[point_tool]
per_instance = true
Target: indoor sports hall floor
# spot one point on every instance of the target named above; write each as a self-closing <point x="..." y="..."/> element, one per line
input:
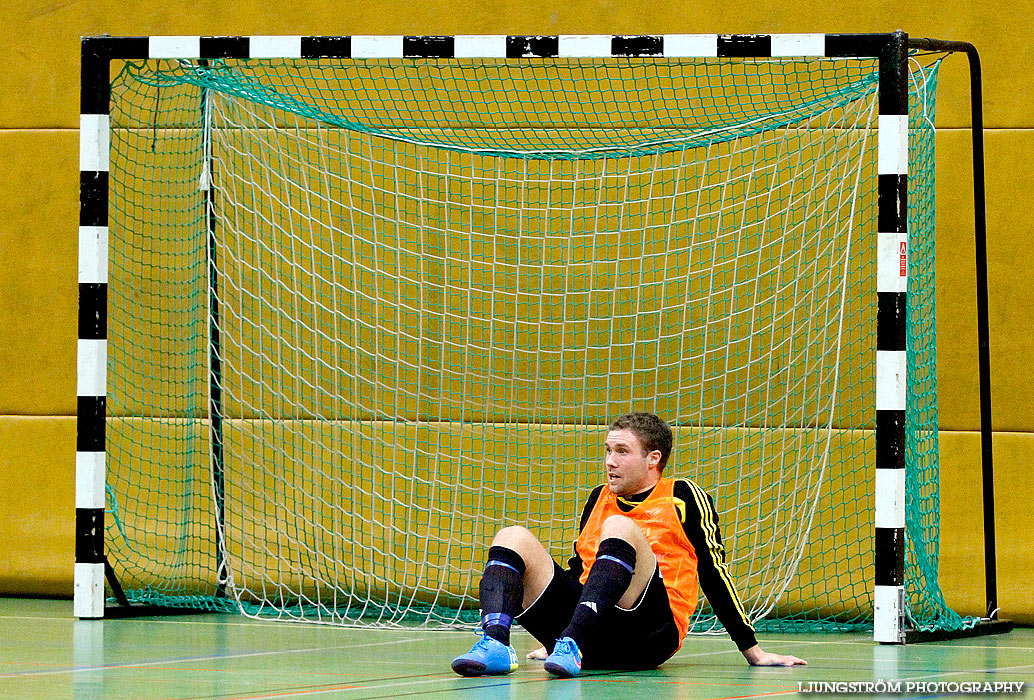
<point x="45" y="653"/>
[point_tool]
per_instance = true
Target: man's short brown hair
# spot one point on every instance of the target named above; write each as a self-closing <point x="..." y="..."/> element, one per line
<point x="653" y="432"/>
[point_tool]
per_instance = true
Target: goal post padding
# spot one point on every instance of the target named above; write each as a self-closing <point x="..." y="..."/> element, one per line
<point x="438" y="280"/>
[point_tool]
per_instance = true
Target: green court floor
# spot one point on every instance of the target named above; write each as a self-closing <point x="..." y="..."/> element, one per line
<point x="46" y="653"/>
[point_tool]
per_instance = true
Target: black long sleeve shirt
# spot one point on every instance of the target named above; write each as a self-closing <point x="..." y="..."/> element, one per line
<point x="700" y="521"/>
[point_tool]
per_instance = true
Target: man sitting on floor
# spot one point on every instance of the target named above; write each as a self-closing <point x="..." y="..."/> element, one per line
<point x="626" y="599"/>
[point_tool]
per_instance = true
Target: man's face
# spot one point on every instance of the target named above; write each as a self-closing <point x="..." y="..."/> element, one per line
<point x="629" y="470"/>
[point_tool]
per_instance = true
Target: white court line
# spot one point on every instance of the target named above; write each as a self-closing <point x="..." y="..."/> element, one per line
<point x="495" y="682"/>
<point x="190" y="659"/>
<point x="391" y="684"/>
<point x="698" y="654"/>
<point x="867" y="641"/>
<point x="253" y="622"/>
<point x="995" y="669"/>
<point x="956" y="673"/>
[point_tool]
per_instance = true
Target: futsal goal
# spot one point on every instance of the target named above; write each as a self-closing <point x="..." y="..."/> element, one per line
<point x="348" y="305"/>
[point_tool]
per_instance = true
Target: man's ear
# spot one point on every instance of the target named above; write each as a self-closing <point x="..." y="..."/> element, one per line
<point x="654" y="458"/>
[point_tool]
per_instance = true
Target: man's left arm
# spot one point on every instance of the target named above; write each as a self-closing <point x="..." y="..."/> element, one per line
<point x="701" y="525"/>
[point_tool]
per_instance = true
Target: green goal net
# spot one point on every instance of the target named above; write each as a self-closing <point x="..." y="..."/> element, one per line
<point x="364" y="313"/>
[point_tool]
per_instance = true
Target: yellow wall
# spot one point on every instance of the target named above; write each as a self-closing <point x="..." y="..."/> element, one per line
<point x="38" y="210"/>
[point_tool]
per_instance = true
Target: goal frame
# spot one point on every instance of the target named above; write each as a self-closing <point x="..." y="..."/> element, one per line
<point x="889" y="393"/>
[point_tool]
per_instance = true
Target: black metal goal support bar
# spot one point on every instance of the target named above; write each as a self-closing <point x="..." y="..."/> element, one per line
<point x="990" y="624"/>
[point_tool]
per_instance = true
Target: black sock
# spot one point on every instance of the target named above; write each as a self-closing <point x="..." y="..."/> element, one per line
<point x="608" y="580"/>
<point x="502" y="592"/>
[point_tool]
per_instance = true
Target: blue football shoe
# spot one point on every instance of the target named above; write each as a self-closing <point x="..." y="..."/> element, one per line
<point x="489" y="657"/>
<point x="566" y="659"/>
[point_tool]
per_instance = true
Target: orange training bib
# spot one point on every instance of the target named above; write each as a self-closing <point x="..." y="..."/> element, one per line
<point x="659" y="520"/>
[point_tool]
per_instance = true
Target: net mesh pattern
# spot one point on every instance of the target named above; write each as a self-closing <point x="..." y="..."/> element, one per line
<point x="417" y="292"/>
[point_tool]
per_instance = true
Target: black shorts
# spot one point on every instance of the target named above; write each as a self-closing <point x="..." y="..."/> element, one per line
<point x="642" y="637"/>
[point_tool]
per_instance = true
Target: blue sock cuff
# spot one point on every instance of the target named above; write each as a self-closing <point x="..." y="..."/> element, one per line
<point x="496" y="562"/>
<point x="616" y="549"/>
<point x="631" y="569"/>
<point x="504" y="556"/>
<point x="501" y="619"/>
